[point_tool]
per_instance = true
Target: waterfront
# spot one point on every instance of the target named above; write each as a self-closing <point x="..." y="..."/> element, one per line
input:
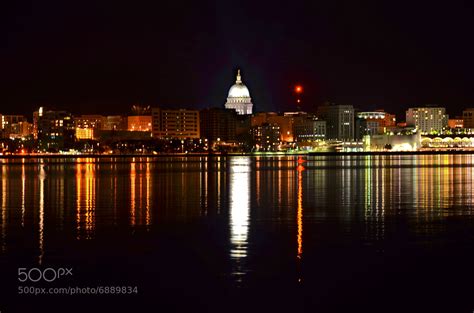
<point x="330" y="233"/>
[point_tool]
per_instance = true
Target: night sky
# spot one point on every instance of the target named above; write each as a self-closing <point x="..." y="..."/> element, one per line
<point x="102" y="57"/>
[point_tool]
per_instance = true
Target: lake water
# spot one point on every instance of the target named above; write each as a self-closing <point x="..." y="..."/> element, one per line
<point x="283" y="233"/>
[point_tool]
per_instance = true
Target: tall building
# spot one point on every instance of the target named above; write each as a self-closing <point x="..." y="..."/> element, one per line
<point x="427" y="119"/>
<point x="218" y="124"/>
<point x="468" y="117"/>
<point x="239" y="97"/>
<point x="175" y="124"/>
<point x="339" y="121"/>
<point x="55" y="129"/>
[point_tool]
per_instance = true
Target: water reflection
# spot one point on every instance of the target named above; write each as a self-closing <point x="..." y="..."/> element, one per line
<point x="86" y="199"/>
<point x="42" y="177"/>
<point x="299" y="238"/>
<point x="299" y="217"/>
<point x="362" y="198"/>
<point x="133" y="191"/>
<point x="23" y="191"/>
<point x="4" y="208"/>
<point x="239" y="201"/>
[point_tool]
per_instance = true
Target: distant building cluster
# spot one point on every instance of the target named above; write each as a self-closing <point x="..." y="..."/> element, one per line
<point x="235" y="127"/>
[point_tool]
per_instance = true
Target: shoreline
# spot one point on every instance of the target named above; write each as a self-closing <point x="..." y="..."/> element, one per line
<point x="262" y="154"/>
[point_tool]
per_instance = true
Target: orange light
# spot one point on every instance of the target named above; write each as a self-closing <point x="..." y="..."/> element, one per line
<point x="298" y="89"/>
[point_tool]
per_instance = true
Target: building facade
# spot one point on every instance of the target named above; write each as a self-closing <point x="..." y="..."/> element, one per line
<point x="55" y="130"/>
<point x="139" y="123"/>
<point x="217" y="124"/>
<point x="374" y="123"/>
<point x="457" y="122"/>
<point x="175" y="124"/>
<point x="115" y="122"/>
<point x="266" y="137"/>
<point x="428" y="119"/>
<point x="339" y="121"/>
<point x="468" y="118"/>
<point x="14" y="126"/>
<point x="309" y="129"/>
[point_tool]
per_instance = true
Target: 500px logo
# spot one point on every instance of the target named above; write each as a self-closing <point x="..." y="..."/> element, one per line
<point x="49" y="274"/>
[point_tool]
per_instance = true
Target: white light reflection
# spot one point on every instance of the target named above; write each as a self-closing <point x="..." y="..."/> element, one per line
<point x="42" y="177"/>
<point x="239" y="211"/>
<point x="23" y="189"/>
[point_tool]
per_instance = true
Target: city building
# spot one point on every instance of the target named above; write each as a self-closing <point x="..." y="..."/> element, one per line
<point x="175" y="124"/>
<point x="339" y="121"/>
<point x="457" y="122"/>
<point x="115" y="122"/>
<point x="217" y="124"/>
<point x="55" y="129"/>
<point x="85" y="133"/>
<point x="427" y="119"/>
<point x="96" y="122"/>
<point x="468" y="117"/>
<point x="285" y="121"/>
<point x="139" y="123"/>
<point x="266" y="137"/>
<point x="14" y="126"/>
<point x="373" y="123"/>
<point x="401" y="142"/>
<point x="309" y="128"/>
<point x="87" y="126"/>
<point x="239" y="97"/>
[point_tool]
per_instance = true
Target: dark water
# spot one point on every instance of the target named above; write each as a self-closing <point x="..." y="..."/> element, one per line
<point x="281" y="234"/>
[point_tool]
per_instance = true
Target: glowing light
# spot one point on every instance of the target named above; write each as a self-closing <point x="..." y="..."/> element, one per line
<point x="86" y="197"/>
<point x="84" y="133"/>
<point x="4" y="208"/>
<point x="239" y="212"/>
<point x="299" y="214"/>
<point x="23" y="190"/>
<point x="42" y="176"/>
<point x="133" y="199"/>
<point x="298" y="89"/>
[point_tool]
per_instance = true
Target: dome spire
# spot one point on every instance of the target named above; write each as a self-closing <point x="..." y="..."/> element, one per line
<point x="239" y="79"/>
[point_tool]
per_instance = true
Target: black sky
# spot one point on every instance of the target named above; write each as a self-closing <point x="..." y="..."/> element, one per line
<point x="102" y="57"/>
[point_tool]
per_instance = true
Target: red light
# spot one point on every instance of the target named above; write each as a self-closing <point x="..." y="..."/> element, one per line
<point x="298" y="89"/>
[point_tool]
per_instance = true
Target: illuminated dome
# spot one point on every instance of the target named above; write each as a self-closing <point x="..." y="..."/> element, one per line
<point x="239" y="97"/>
<point x="238" y="90"/>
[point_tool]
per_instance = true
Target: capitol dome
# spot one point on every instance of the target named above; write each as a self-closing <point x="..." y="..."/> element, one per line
<point x="238" y="90"/>
<point x="239" y="97"/>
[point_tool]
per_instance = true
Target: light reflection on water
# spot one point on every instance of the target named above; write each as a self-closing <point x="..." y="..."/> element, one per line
<point x="239" y="202"/>
<point x="363" y="194"/>
<point x="4" y="208"/>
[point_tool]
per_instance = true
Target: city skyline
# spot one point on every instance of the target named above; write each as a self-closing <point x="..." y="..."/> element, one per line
<point x="400" y="113"/>
<point x="370" y="56"/>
